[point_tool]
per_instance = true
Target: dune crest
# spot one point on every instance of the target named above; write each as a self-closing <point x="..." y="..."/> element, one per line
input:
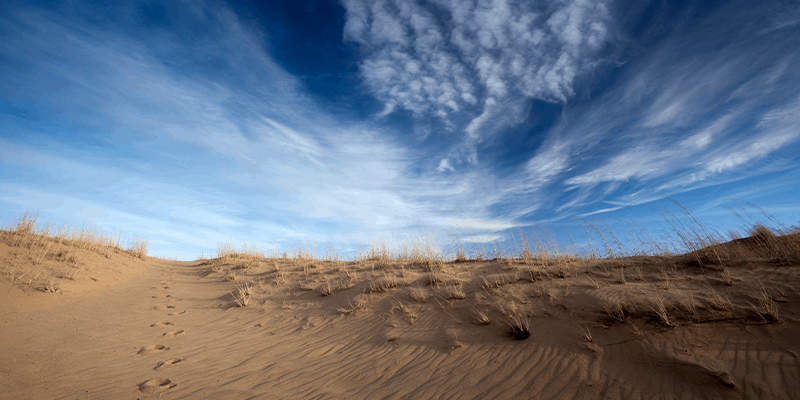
<point x="718" y="322"/>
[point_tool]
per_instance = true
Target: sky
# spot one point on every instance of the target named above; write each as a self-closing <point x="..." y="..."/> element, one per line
<point x="194" y="123"/>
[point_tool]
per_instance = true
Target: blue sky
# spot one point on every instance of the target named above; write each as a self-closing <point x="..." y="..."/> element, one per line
<point x="196" y="123"/>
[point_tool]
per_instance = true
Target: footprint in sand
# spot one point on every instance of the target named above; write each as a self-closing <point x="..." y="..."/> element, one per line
<point x="167" y="364"/>
<point x="152" y="349"/>
<point x="161" y="324"/>
<point x="174" y="333"/>
<point x="156" y="386"/>
<point x="159" y="308"/>
<point x="161" y="296"/>
<point x="176" y="313"/>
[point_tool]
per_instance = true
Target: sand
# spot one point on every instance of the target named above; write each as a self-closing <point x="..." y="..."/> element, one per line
<point x="126" y="328"/>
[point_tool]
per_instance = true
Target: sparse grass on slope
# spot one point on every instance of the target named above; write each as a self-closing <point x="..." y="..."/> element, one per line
<point x="693" y="276"/>
<point x="47" y="256"/>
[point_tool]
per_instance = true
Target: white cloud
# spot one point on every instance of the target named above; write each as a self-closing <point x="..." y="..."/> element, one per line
<point x="605" y="210"/>
<point x="657" y="157"/>
<point x="479" y="224"/>
<point x="388" y="108"/>
<point x="443" y="57"/>
<point x="444" y="165"/>
<point x="757" y="148"/>
<point x="546" y="165"/>
<point x="702" y="139"/>
<point x="779" y="127"/>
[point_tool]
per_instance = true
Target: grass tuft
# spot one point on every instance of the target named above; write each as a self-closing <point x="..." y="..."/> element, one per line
<point x="325" y="289"/>
<point x="614" y="310"/>
<point x="52" y="286"/>
<point x="765" y="307"/>
<point x="661" y="312"/>
<point x="479" y="316"/>
<point x="242" y="294"/>
<point x="519" y="327"/>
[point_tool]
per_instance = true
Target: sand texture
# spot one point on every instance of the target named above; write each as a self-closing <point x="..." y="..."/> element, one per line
<point x="242" y="327"/>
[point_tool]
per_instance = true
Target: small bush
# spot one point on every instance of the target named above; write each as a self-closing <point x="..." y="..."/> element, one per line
<point x="52" y="286"/>
<point x="242" y="294"/>
<point x="519" y="327"/>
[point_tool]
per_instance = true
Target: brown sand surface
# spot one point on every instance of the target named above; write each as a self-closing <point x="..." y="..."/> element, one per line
<point x="168" y="329"/>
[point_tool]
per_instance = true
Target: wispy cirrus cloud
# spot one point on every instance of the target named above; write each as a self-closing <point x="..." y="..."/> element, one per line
<point x="240" y="150"/>
<point x="468" y="62"/>
<point x="682" y="117"/>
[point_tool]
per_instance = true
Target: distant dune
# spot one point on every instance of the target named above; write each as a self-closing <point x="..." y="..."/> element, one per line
<point x="85" y="317"/>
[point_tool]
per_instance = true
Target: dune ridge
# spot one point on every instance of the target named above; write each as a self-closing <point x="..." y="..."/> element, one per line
<point x="719" y="321"/>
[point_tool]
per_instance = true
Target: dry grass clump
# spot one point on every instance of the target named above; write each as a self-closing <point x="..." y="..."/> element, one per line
<point x="360" y="302"/>
<point x="587" y="334"/>
<point x="242" y="294"/>
<point x="454" y="292"/>
<point x="138" y="247"/>
<point x="765" y="307"/>
<point x="348" y="281"/>
<point x="435" y="278"/>
<point x="409" y="312"/>
<point x="248" y="264"/>
<point x="70" y="274"/>
<point x="479" y="316"/>
<point x="664" y="277"/>
<point x="614" y="309"/>
<point x="52" y="286"/>
<point x="325" y="289"/>
<point x="621" y="276"/>
<point x="418" y="294"/>
<point x="216" y="266"/>
<point x="689" y="305"/>
<point x="442" y="278"/>
<point x="517" y="319"/>
<point x="565" y="271"/>
<point x="231" y="276"/>
<point x="637" y="333"/>
<point x="382" y="284"/>
<point x="719" y="303"/>
<point x="66" y="256"/>
<point x="498" y="280"/>
<point x="519" y="326"/>
<point x="537" y="274"/>
<point x="660" y="310"/>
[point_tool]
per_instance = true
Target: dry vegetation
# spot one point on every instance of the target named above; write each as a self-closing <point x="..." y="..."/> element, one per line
<point x="48" y="257"/>
<point x="694" y="276"/>
<point x="697" y="277"/>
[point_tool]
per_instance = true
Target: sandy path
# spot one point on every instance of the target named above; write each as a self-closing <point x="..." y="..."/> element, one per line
<point x="86" y="347"/>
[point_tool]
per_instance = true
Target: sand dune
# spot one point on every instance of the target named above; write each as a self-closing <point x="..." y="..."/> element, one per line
<point x="635" y="327"/>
